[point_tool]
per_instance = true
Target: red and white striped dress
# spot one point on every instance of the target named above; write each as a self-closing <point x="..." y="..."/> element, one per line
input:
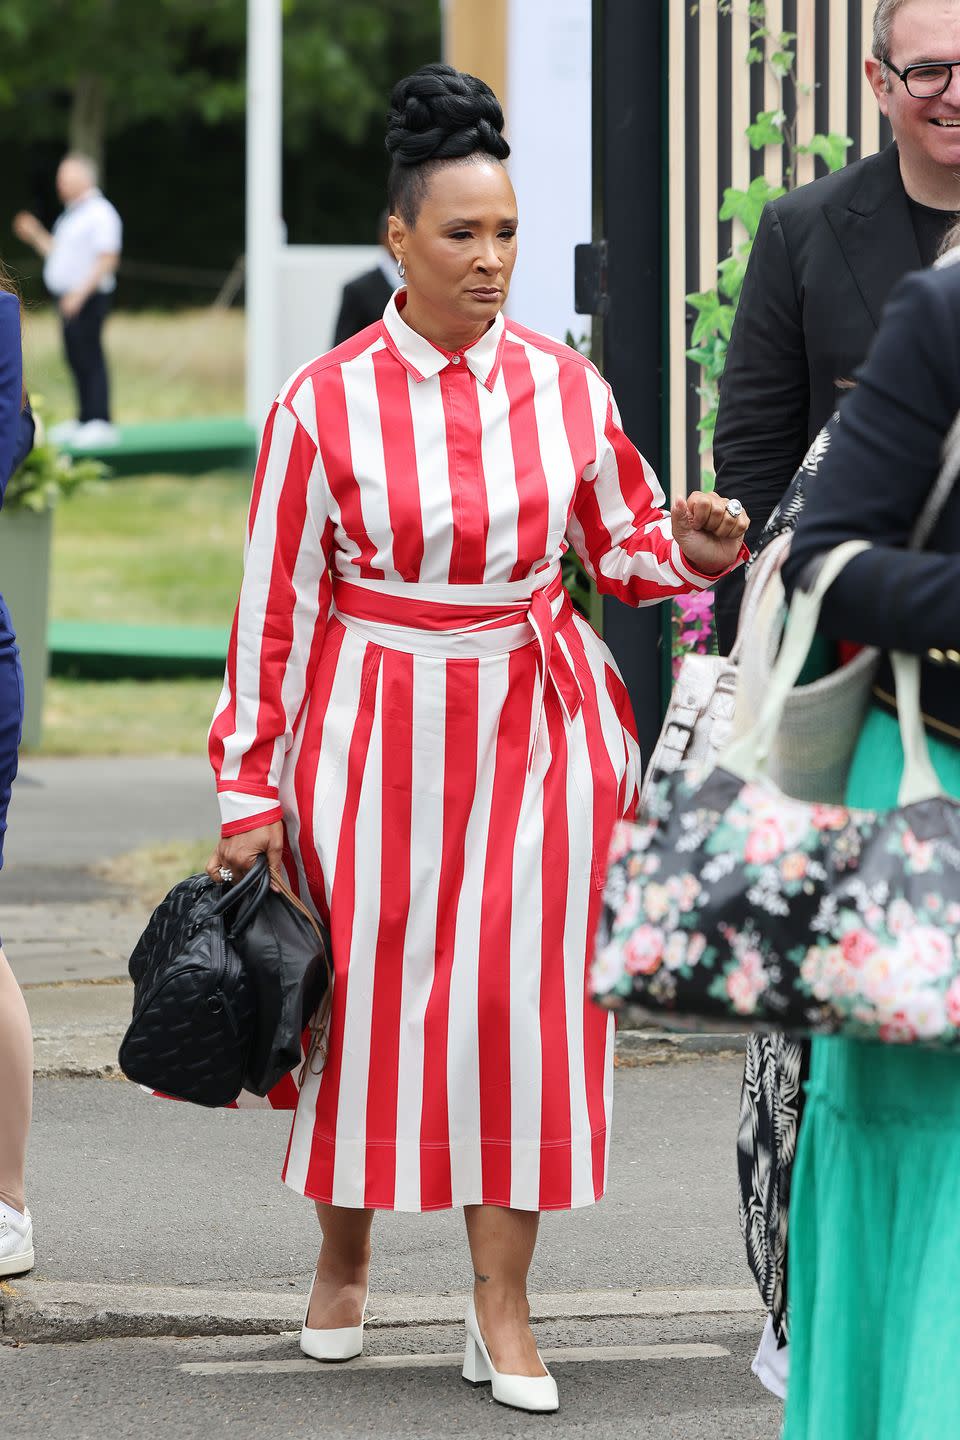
<point x="449" y="746"/>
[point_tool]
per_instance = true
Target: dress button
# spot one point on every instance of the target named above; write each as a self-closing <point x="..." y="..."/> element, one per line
<point x="455" y="359"/>
<point x="953" y="657"/>
<point x="937" y="656"/>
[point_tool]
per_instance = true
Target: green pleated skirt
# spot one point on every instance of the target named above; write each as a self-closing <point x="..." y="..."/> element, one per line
<point x="874" y="1262"/>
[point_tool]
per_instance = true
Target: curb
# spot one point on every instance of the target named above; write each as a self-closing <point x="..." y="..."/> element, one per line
<point x="33" y="1311"/>
<point x="655" y="1047"/>
<point x="84" y="1056"/>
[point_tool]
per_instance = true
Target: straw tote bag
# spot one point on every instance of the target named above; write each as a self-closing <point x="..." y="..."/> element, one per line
<point x="738" y="904"/>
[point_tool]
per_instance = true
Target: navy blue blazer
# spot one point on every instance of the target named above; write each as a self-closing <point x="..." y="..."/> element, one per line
<point x="872" y="483"/>
<point x="11" y="388"/>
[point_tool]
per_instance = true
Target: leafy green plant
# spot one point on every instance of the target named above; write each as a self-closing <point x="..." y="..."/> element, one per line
<point x="48" y="475"/>
<point x="716" y="307"/>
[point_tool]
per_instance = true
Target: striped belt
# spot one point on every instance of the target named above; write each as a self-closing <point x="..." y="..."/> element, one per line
<point x="468" y="622"/>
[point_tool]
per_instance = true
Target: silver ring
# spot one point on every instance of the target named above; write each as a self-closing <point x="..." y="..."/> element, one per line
<point x="734" y="508"/>
<point x="225" y="875"/>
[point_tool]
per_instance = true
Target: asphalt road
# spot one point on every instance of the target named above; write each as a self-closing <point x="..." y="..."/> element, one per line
<point x="140" y="1390"/>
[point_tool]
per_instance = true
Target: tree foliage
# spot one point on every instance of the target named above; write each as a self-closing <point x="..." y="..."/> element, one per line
<point x="156" y="88"/>
<point x="83" y="70"/>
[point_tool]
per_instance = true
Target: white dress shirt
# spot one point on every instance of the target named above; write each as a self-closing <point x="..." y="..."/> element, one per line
<point x="88" y="228"/>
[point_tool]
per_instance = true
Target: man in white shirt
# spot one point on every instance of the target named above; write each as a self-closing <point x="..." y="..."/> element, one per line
<point x="81" y="255"/>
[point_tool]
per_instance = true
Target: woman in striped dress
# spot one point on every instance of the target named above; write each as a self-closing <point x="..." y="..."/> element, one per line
<point x="419" y="728"/>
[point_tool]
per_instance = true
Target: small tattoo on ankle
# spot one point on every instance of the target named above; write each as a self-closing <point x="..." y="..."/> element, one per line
<point x="481" y="1278"/>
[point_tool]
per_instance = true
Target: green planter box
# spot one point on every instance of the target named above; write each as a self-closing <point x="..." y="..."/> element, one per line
<point x="25" y="539"/>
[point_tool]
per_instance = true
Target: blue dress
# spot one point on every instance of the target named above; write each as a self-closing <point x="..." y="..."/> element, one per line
<point x="16" y="436"/>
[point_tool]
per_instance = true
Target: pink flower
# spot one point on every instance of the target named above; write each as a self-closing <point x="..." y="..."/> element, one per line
<point x="926" y="1013"/>
<point x="897" y="1030"/>
<point x="930" y="952"/>
<point x="764" y="843"/>
<point x="857" y="947"/>
<point x="742" y="991"/>
<point x="882" y="980"/>
<point x="828" y="817"/>
<point x="695" y="948"/>
<point x="697" y="606"/>
<point x="643" y="952"/>
<point x="900" y="917"/>
<point x="751" y="963"/>
<point x="952" y="998"/>
<point x="794" y="865"/>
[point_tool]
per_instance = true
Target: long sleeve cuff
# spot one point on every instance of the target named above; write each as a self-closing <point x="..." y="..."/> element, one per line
<point x="242" y="810"/>
<point x="697" y="577"/>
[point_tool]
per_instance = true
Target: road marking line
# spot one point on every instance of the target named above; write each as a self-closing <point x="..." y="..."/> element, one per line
<point x="576" y="1355"/>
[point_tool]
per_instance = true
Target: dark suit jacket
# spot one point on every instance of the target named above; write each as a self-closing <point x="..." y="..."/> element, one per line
<point x="363" y="301"/>
<point x="825" y="258"/>
<point x="873" y="481"/>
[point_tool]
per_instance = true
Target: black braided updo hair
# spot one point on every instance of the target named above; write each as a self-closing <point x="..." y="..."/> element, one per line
<point x="438" y="115"/>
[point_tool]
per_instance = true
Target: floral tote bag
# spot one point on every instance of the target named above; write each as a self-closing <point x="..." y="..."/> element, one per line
<point x="732" y="903"/>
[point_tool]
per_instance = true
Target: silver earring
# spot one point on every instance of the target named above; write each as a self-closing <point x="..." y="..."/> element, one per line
<point x="401" y="269"/>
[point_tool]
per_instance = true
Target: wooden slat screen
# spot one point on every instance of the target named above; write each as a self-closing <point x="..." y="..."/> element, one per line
<point x="713" y="96"/>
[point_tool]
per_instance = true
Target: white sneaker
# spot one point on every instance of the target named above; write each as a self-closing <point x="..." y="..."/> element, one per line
<point x="64" y="432"/>
<point x="94" y="435"/>
<point x="16" y="1241"/>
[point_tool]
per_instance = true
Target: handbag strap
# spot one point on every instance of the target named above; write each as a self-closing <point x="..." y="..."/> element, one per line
<point x="919" y="780"/>
<point x="282" y="888"/>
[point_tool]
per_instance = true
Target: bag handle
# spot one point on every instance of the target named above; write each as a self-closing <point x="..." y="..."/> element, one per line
<point x="282" y="888"/>
<point x="748" y="755"/>
<point x="244" y="896"/>
<point x="919" y="780"/>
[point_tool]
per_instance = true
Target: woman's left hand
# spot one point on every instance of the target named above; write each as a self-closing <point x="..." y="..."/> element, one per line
<point x="708" y="535"/>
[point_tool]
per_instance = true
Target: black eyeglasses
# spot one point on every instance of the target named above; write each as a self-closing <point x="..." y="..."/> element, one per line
<point x="924" y="81"/>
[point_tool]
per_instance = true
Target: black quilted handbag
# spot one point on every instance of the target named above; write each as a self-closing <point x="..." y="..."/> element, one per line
<point x="226" y="979"/>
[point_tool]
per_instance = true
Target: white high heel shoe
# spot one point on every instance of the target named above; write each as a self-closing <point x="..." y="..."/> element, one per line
<point x="522" y="1392"/>
<point x="343" y="1344"/>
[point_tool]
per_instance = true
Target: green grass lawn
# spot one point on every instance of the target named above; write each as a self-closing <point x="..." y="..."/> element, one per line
<point x="151" y="550"/>
<point x="162" y="366"/>
<point x="127" y="717"/>
<point x="156" y="550"/>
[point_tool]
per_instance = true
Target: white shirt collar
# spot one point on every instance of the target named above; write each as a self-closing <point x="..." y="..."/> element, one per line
<point x="423" y="360"/>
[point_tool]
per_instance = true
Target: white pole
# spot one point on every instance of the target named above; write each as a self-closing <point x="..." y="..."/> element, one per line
<point x="263" y="201"/>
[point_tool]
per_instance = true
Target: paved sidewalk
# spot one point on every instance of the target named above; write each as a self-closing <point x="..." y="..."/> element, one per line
<point x="66" y="816"/>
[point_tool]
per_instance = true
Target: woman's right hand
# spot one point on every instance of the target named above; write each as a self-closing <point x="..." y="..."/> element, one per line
<point x="238" y="852"/>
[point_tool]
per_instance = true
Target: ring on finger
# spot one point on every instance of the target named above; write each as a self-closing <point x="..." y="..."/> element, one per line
<point x="734" y="509"/>
<point x="226" y="875"/>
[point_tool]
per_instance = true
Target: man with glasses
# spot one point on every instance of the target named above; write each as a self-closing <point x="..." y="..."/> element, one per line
<point x="826" y="257"/>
